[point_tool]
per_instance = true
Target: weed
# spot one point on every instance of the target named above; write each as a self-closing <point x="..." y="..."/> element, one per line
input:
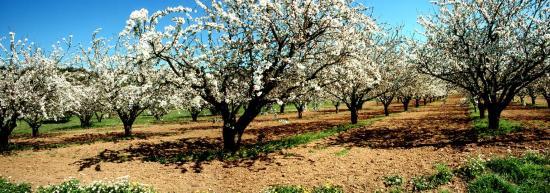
<point x="285" y="189"/>
<point x="342" y="152"/>
<point x="8" y="187"/>
<point x="491" y="183"/>
<point x="394" y="180"/>
<point x="327" y="188"/>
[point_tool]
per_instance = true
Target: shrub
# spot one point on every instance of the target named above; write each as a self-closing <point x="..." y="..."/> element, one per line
<point x="7" y="187"/>
<point x="491" y="183"/>
<point x="394" y="180"/>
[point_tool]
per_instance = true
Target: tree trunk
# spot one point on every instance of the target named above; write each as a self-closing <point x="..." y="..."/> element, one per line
<point x="406" y="104"/>
<point x="481" y="108"/>
<point x="282" y="108"/>
<point x="386" y="110"/>
<point x="85" y="121"/>
<point x="35" y="125"/>
<point x="195" y="116"/>
<point x="99" y="116"/>
<point x="354" y="115"/>
<point x="230" y="138"/>
<point x="494" y="116"/>
<point x="127" y="129"/>
<point x="337" y="107"/>
<point x="360" y="106"/>
<point x="425" y="101"/>
<point x="300" y="108"/>
<point x="417" y="102"/>
<point x="4" y="141"/>
<point x="522" y="100"/>
<point x="547" y="102"/>
<point x="533" y="100"/>
<point x="34" y="131"/>
<point x="157" y="117"/>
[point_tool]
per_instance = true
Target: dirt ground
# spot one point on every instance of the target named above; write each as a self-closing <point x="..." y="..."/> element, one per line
<point x="407" y="143"/>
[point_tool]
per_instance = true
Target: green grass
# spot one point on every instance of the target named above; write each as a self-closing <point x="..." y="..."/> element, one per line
<point x="342" y="152"/>
<point x="8" y="187"/>
<point x="113" y="121"/>
<point x="442" y="176"/>
<point x="530" y="173"/>
<point x="144" y="119"/>
<point x="481" y="126"/>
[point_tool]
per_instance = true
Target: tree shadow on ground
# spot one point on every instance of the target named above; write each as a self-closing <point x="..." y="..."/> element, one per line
<point x="436" y="129"/>
<point x="191" y="153"/>
<point x="88" y="138"/>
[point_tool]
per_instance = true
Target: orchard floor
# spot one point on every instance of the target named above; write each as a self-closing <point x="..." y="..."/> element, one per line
<point x="405" y="143"/>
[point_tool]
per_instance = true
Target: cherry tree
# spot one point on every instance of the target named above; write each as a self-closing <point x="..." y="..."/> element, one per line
<point x="253" y="53"/>
<point x="130" y="78"/>
<point x="27" y="88"/>
<point x="491" y="48"/>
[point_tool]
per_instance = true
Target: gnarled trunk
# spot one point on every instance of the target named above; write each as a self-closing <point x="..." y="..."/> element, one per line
<point x="85" y="120"/>
<point x="127" y="129"/>
<point x="533" y="100"/>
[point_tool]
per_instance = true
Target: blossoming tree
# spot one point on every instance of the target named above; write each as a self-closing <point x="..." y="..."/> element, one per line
<point x="252" y="53"/>
<point x="30" y="84"/>
<point x="492" y="48"/>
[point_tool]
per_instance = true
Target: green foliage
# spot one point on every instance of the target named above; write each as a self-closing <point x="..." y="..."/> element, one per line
<point x="491" y="183"/>
<point x="473" y="168"/>
<point x="394" y="180"/>
<point x="74" y="186"/>
<point x="342" y="152"/>
<point x="444" y="191"/>
<point x="529" y="173"/>
<point x="327" y="188"/>
<point x="285" y="189"/>
<point x="7" y="187"/>
<point x="443" y="176"/>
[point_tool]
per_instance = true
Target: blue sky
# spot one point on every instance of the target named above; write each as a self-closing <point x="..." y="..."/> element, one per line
<point x="47" y="21"/>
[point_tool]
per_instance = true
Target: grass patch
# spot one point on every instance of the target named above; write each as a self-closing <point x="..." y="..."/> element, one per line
<point x="342" y="152"/>
<point x="481" y="126"/>
<point x="530" y="173"/>
<point x="442" y="176"/>
<point x="8" y="187"/>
